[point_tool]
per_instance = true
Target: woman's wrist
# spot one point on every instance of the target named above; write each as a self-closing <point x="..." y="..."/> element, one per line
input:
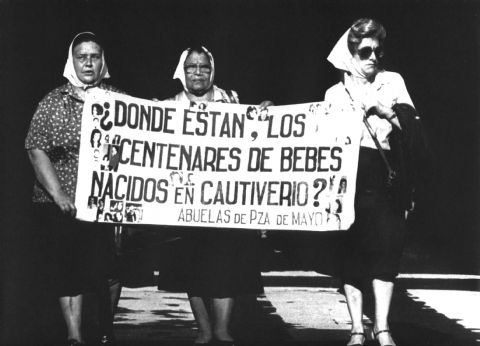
<point x="392" y="116"/>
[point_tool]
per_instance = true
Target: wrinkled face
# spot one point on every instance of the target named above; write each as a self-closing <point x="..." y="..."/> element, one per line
<point x="87" y="62"/>
<point x="367" y="56"/>
<point x="197" y="73"/>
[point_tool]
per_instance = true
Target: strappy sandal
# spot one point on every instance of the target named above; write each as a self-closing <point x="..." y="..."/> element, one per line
<point x="375" y="335"/>
<point x="357" y="333"/>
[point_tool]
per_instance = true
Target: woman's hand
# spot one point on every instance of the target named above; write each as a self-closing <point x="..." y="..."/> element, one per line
<point x="46" y="175"/>
<point x="379" y="109"/>
<point x="65" y="203"/>
<point x="383" y="112"/>
<point x="266" y="103"/>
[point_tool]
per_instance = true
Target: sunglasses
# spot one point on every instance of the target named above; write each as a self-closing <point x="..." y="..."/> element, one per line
<point x="365" y="52"/>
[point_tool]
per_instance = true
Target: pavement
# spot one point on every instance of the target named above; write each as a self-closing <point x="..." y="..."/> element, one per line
<point x="307" y="308"/>
<point x="302" y="304"/>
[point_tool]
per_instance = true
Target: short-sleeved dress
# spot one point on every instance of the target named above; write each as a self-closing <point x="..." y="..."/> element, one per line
<point x="77" y="253"/>
<point x="374" y="244"/>
<point x="220" y="263"/>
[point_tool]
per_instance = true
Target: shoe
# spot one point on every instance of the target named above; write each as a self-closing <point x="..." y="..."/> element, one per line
<point x="107" y="340"/>
<point x="75" y="342"/>
<point x="357" y="333"/>
<point x="375" y="335"/>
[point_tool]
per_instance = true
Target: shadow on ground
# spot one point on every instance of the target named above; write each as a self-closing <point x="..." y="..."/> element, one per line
<point x="255" y="321"/>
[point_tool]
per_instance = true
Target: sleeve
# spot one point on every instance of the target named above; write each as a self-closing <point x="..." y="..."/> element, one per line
<point x="401" y="90"/>
<point x="229" y="96"/>
<point x="235" y="96"/>
<point x="39" y="133"/>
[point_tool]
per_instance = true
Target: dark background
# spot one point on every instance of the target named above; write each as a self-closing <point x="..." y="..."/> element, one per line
<point x="264" y="50"/>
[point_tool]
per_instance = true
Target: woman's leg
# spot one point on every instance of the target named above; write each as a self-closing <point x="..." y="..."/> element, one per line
<point x="200" y="312"/>
<point x="222" y="312"/>
<point x="105" y="309"/>
<point x="355" y="308"/>
<point x="72" y="314"/>
<point x="382" y="291"/>
<point x="115" y="292"/>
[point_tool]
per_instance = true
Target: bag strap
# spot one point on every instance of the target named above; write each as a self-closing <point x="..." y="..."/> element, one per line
<point x="391" y="173"/>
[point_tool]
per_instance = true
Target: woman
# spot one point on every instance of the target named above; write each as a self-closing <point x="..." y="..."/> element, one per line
<point x="375" y="241"/>
<point x="223" y="263"/>
<point x="52" y="143"/>
<point x="95" y="138"/>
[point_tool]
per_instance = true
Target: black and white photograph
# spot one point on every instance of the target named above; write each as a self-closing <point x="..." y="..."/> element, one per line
<point x="240" y="172"/>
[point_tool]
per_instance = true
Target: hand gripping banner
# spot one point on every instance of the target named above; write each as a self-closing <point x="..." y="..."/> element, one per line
<point x="217" y="165"/>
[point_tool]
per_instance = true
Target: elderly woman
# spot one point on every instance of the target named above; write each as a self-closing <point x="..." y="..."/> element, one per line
<point x="375" y="241"/>
<point x="52" y="143"/>
<point x="224" y="264"/>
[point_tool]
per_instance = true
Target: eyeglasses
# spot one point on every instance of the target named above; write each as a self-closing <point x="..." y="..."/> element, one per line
<point x="192" y="68"/>
<point x="365" y="52"/>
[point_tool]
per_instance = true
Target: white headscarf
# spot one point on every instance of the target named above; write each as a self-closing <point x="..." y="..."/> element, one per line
<point x="180" y="71"/>
<point x="69" y="70"/>
<point x="342" y="59"/>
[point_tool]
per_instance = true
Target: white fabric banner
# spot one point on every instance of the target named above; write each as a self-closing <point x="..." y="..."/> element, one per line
<point x="217" y="165"/>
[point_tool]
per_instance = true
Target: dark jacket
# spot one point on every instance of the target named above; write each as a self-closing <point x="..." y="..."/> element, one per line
<point x="412" y="157"/>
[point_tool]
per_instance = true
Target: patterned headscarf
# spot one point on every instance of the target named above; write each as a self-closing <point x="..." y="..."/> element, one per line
<point x="180" y="71"/>
<point x="69" y="70"/>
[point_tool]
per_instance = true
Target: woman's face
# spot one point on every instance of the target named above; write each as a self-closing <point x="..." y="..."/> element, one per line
<point x="87" y="62"/>
<point x="197" y="73"/>
<point x="367" y="55"/>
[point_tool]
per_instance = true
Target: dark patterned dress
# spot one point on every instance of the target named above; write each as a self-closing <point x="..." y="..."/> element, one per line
<point x="72" y="248"/>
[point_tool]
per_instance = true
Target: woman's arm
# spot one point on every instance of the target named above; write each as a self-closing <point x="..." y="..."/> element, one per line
<point x="386" y="113"/>
<point x="46" y="175"/>
<point x="402" y="96"/>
